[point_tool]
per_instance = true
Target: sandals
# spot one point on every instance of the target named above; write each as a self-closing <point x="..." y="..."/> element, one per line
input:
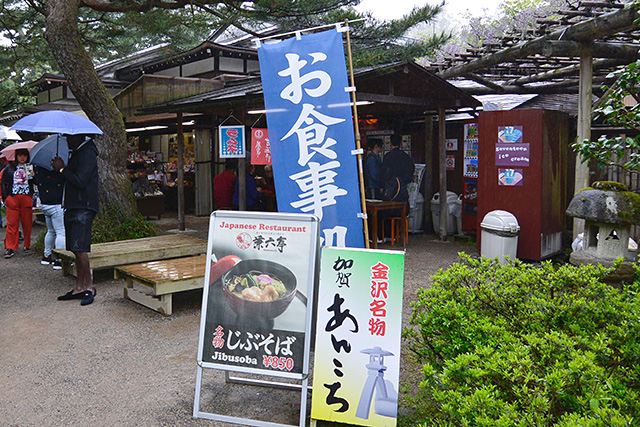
<point x="86" y="297"/>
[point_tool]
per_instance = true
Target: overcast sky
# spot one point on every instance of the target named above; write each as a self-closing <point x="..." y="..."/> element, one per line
<point x="393" y="9"/>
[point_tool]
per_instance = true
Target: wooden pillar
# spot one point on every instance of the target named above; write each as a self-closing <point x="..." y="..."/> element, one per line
<point x="180" y="145"/>
<point x="203" y="184"/>
<point x="428" y="173"/>
<point x="442" y="163"/>
<point x="585" y="99"/>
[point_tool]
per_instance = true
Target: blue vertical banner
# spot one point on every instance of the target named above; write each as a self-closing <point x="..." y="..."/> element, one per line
<point x="304" y="80"/>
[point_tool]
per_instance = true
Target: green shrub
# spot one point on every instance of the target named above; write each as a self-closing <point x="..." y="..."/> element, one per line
<point x="520" y="345"/>
<point x="38" y="246"/>
<point x="111" y="225"/>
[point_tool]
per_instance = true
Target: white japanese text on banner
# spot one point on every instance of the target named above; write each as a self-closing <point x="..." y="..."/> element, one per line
<point x="311" y="133"/>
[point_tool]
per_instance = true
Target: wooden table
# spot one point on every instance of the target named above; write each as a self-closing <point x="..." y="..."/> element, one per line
<point x="112" y="254"/>
<point x="374" y="207"/>
<point x="162" y="279"/>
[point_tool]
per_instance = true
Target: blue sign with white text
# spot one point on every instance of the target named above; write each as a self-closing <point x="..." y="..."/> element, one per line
<point x="232" y="141"/>
<point x="311" y="133"/>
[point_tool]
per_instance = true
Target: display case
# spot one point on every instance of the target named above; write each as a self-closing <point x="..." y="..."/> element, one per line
<point x="147" y="175"/>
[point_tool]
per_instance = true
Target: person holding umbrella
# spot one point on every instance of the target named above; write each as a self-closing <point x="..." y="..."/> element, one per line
<point x="17" y="194"/>
<point x="80" y="200"/>
<point x="81" y="203"/>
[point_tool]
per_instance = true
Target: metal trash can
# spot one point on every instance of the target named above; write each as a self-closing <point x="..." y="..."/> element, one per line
<point x="435" y="212"/>
<point x="499" y="236"/>
<point x="416" y="215"/>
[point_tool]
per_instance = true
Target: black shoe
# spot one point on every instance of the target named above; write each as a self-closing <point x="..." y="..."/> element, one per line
<point x="20" y="238"/>
<point x="57" y="264"/>
<point x="9" y="253"/>
<point x="28" y="250"/>
<point x="71" y="296"/>
<point x="46" y="260"/>
<point x="88" y="297"/>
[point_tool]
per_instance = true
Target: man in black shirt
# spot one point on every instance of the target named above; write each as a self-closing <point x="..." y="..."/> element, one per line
<point x="81" y="203"/>
<point x="399" y="164"/>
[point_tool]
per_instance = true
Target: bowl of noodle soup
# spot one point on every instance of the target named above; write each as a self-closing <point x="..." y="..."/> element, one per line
<point x="258" y="287"/>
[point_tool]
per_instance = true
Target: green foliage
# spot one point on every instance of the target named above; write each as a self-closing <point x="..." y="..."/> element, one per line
<point x="114" y="34"/>
<point x="520" y="345"/>
<point x="374" y="41"/>
<point x="615" y="110"/>
<point x="38" y="246"/>
<point x="111" y="225"/>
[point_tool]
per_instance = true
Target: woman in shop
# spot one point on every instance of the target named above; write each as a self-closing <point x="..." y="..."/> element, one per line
<point x="17" y="193"/>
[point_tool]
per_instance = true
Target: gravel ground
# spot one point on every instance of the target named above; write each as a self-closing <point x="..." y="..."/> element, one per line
<point x="116" y="363"/>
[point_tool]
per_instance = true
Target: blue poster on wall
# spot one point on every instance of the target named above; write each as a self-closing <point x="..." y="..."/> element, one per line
<point x="311" y="133"/>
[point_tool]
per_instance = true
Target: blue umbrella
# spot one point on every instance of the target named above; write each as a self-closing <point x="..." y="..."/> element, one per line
<point x="56" y="121"/>
<point x="49" y="148"/>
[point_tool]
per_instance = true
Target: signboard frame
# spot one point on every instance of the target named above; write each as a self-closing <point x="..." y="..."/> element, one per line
<point x="363" y="288"/>
<point x="224" y="138"/>
<point x="305" y="282"/>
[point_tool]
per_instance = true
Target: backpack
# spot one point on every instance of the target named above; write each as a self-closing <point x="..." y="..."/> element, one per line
<point x="394" y="191"/>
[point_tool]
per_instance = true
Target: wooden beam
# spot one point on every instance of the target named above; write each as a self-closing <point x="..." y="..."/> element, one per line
<point x="599" y="49"/>
<point x="391" y="99"/>
<point x="603" y="26"/>
<point x="606" y="4"/>
<point x="567" y="86"/>
<point x="483" y="81"/>
<point x="564" y="71"/>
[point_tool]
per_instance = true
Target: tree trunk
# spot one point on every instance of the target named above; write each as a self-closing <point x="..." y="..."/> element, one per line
<point x="65" y="43"/>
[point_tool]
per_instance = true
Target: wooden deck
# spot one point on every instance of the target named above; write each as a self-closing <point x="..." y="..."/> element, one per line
<point x="112" y="254"/>
<point x="162" y="279"/>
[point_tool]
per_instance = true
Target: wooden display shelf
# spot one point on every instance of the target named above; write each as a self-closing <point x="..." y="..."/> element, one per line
<point x="151" y="206"/>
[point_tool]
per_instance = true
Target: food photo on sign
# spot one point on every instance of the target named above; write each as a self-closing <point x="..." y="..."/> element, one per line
<point x="258" y="287"/>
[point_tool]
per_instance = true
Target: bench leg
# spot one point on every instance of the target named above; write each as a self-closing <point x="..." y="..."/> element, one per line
<point x="161" y="304"/>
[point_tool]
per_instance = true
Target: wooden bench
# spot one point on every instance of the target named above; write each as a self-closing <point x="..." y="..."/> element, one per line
<point x="162" y="279"/>
<point x="112" y="254"/>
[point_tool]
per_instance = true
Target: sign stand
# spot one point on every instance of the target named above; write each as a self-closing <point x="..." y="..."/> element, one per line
<point x="303" y="387"/>
<point x="263" y="336"/>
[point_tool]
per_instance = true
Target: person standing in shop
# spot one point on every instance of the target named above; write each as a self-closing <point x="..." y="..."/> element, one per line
<point x="224" y="185"/>
<point x="373" y="169"/>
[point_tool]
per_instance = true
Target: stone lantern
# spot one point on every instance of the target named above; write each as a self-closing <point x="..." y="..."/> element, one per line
<point x="609" y="210"/>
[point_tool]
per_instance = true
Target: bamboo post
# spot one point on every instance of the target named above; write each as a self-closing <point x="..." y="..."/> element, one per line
<point x="180" y="146"/>
<point x="363" y="203"/>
